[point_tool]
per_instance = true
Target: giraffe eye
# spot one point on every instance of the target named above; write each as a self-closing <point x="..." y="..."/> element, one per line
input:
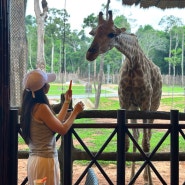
<point x="111" y="35"/>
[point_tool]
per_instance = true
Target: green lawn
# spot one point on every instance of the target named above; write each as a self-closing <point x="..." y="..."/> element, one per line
<point x="94" y="138"/>
<point x="176" y="102"/>
<point x="78" y="89"/>
<point x="175" y="89"/>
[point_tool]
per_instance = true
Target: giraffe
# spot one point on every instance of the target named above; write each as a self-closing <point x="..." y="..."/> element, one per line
<point x="140" y="85"/>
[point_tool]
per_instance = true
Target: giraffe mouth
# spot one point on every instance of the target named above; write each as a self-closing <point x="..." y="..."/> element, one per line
<point x="92" y="54"/>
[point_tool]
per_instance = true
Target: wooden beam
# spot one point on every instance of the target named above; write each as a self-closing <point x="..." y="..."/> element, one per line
<point x="111" y="156"/>
<point x="4" y="93"/>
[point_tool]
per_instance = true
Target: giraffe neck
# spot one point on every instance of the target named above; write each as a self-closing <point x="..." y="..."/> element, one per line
<point x="128" y="45"/>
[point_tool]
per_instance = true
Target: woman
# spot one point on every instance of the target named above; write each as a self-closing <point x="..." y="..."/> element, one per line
<point x="39" y="125"/>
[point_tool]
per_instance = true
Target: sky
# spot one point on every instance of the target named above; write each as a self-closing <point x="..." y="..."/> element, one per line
<point x="80" y="9"/>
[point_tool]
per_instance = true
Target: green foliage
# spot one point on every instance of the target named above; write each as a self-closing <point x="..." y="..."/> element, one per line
<point x="168" y="22"/>
<point x="122" y="22"/>
<point x="151" y="40"/>
<point x="175" y="59"/>
<point x="90" y="21"/>
<point x="31" y="31"/>
<point x="66" y="48"/>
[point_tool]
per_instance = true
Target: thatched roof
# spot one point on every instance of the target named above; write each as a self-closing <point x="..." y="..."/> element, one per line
<point x="163" y="4"/>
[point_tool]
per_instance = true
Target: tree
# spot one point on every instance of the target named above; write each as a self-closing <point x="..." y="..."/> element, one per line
<point x="175" y="59"/>
<point x="168" y="22"/>
<point x="57" y="31"/>
<point x="150" y="39"/>
<point x="90" y="21"/>
<point x="121" y="22"/>
<point x="98" y="92"/>
<point x="40" y="18"/>
<point x="31" y="31"/>
<point x="182" y="61"/>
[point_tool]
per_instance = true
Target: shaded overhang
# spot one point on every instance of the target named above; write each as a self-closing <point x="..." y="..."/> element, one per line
<point x="163" y="4"/>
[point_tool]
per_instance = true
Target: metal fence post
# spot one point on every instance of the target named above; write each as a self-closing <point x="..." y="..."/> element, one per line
<point x="67" y="159"/>
<point x="121" y="156"/>
<point x="174" y="117"/>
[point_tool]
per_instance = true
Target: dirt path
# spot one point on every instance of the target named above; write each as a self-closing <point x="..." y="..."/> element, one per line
<point x="162" y="167"/>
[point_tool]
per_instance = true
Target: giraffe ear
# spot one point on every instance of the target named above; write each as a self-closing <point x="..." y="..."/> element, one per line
<point x="92" y="32"/>
<point x="123" y="29"/>
<point x="119" y="30"/>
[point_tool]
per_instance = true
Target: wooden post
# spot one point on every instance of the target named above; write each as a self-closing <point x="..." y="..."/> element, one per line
<point x="174" y="116"/>
<point x="67" y="159"/>
<point x="121" y="155"/>
<point x="4" y="92"/>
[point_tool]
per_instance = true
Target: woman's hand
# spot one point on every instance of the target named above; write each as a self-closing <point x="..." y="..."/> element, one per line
<point x="79" y="107"/>
<point x="68" y="96"/>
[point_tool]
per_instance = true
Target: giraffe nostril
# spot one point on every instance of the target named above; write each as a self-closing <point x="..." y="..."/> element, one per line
<point x="92" y="50"/>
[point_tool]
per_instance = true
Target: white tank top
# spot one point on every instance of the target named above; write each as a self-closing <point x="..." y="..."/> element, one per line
<point x="43" y="140"/>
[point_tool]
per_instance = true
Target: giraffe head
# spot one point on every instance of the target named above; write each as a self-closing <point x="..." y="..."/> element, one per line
<point x="104" y="36"/>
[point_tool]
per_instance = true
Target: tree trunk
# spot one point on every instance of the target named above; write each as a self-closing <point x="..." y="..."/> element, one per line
<point x="169" y="65"/>
<point x="40" y="17"/>
<point x="30" y="53"/>
<point x="182" y="61"/>
<point x="52" y="55"/>
<point x="95" y="76"/>
<point x="98" y="92"/>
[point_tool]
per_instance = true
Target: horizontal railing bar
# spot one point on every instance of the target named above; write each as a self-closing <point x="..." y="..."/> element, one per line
<point x="114" y="125"/>
<point x="163" y="115"/>
<point x="112" y="156"/>
<point x="95" y="125"/>
<point x="129" y="114"/>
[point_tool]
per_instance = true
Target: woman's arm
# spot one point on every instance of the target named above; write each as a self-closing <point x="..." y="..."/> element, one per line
<point x="45" y="115"/>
